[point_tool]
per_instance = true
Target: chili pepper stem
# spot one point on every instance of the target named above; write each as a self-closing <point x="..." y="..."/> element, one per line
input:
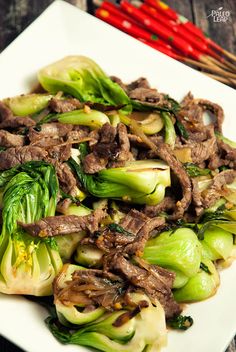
<point x="225" y="66"/>
<point x="221" y="79"/>
<point x="219" y="70"/>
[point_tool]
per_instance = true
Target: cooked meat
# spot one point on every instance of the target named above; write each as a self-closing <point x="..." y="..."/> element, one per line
<point x="227" y="154"/>
<point x="7" y="120"/>
<point x="204" y="200"/>
<point x="167" y="204"/>
<point x="203" y="151"/>
<point x="93" y="288"/>
<point x="65" y="105"/>
<point x="148" y="95"/>
<point x="215" y="109"/>
<point x="137" y="246"/>
<point x="58" y="153"/>
<point x="78" y="133"/>
<point x="155" y="281"/>
<point x="9" y="140"/>
<point x="165" y="153"/>
<point x="124" y="145"/>
<point x="92" y="163"/>
<point x="134" y="221"/>
<point x="19" y="155"/>
<point x="138" y="83"/>
<point x="49" y="134"/>
<point x="217" y="188"/>
<point x="64" y="224"/>
<point x="66" y="179"/>
<point x="110" y="147"/>
<point x="132" y="234"/>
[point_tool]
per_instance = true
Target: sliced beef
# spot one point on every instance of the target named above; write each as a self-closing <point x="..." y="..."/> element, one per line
<point x="155" y="281"/>
<point x="65" y="105"/>
<point x="132" y="234"/>
<point x="138" y="83"/>
<point x="49" y="134"/>
<point x="66" y="179"/>
<point x="64" y="224"/>
<point x="58" y="153"/>
<point x="165" y="153"/>
<point x="92" y="163"/>
<point x="204" y="200"/>
<point x="9" y="140"/>
<point x="203" y="151"/>
<point x="167" y="204"/>
<point x="92" y="287"/>
<point x="19" y="155"/>
<point x="217" y="188"/>
<point x="215" y="109"/>
<point x="7" y="120"/>
<point x="110" y="147"/>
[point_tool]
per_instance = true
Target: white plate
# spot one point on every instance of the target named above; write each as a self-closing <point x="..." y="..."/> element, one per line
<point x="62" y="30"/>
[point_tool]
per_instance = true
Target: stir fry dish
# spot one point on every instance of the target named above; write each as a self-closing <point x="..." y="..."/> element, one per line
<point x="117" y="202"/>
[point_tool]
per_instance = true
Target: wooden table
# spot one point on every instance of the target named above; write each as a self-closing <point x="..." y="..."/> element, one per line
<point x="16" y="15"/>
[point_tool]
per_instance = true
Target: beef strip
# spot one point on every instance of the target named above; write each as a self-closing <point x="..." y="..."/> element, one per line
<point x="94" y="288"/>
<point x="217" y="188"/>
<point x="65" y="105"/>
<point x="228" y="154"/>
<point x="7" y="120"/>
<point x="50" y="134"/>
<point x="58" y="153"/>
<point x="215" y="109"/>
<point x="64" y="224"/>
<point x="167" y="204"/>
<point x="149" y="95"/>
<point x="19" y="155"/>
<point x="137" y="228"/>
<point x="132" y="223"/>
<point x="9" y="140"/>
<point x="163" y="151"/>
<point x="110" y="147"/>
<point x="155" y="281"/>
<point x="67" y="180"/>
<point x="204" y="200"/>
<point x="203" y="151"/>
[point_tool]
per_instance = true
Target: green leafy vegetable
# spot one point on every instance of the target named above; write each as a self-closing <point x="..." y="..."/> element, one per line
<point x="205" y="268"/>
<point x="172" y="106"/>
<point x="181" y="129"/>
<point x="98" y="328"/>
<point x="179" y="250"/>
<point x="82" y="78"/>
<point x="170" y="135"/>
<point x="28" y="104"/>
<point x="180" y="322"/>
<point x="92" y="118"/>
<point x="141" y="182"/>
<point x="194" y="171"/>
<point x="28" y="265"/>
<point x="117" y="228"/>
<point x="200" y="286"/>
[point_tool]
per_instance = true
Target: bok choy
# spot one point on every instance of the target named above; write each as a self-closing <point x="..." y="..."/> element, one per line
<point x="28" y="265"/>
<point x="82" y="78"/>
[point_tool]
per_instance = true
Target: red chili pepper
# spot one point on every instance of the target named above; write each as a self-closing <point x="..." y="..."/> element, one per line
<point x="106" y="5"/>
<point x="118" y="12"/>
<point x="181" y="31"/>
<point x="158" y="29"/>
<point x="160" y="48"/>
<point x="125" y="25"/>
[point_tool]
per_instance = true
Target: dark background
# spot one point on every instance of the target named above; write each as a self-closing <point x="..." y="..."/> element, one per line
<point x="16" y="15"/>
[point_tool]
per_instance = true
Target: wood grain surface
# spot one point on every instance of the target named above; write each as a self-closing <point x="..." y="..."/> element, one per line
<point x="16" y="15"/>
